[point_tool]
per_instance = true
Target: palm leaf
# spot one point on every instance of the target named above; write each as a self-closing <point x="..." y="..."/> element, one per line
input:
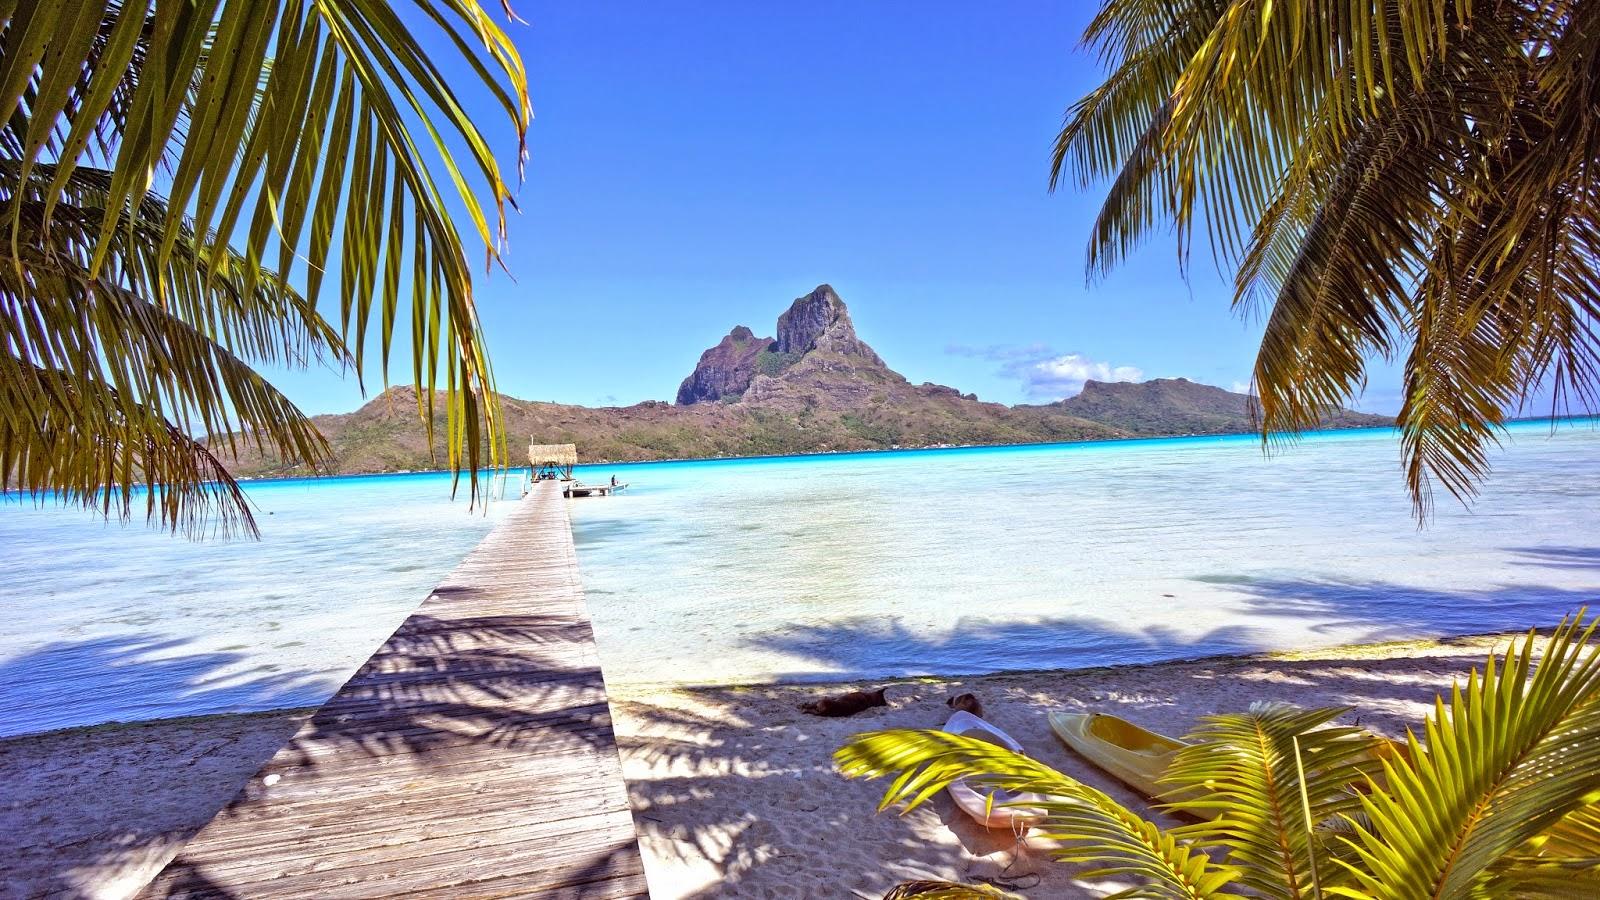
<point x="1396" y="178"/>
<point x="245" y="122"/>
<point x="1091" y="826"/>
<point x="1562" y="861"/>
<point x="78" y="441"/>
<point x="103" y="389"/>
<point x="1245" y="769"/>
<point x="1515" y="753"/>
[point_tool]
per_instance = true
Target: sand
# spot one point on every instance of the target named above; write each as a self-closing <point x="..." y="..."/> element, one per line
<point x="735" y="795"/>
<point x="733" y="788"/>
<point x="96" y="812"/>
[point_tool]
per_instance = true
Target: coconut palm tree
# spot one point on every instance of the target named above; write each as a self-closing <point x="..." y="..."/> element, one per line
<point x="1497" y="798"/>
<point x="179" y="180"/>
<point x="1384" y="178"/>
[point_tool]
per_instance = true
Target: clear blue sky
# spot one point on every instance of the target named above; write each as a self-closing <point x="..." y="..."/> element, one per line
<point x="694" y="166"/>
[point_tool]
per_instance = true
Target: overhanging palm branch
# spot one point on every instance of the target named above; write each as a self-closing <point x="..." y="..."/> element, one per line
<point x="81" y="440"/>
<point x="184" y="155"/>
<point x="1498" y="799"/>
<point x="110" y="387"/>
<point x="1394" y="177"/>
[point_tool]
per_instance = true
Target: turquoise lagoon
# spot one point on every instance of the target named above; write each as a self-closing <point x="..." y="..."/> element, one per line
<point x="820" y="568"/>
<point x="106" y="622"/>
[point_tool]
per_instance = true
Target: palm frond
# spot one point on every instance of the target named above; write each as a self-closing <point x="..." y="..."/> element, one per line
<point x="78" y="441"/>
<point x="1501" y="798"/>
<point x="268" y="122"/>
<point x="1397" y="178"/>
<point x="103" y="389"/>
<point x="1514" y="754"/>
<point x="1562" y="861"/>
<point x="1091" y="827"/>
<point x="1245" y="770"/>
<point x="1118" y="129"/>
<point x="1342" y="296"/>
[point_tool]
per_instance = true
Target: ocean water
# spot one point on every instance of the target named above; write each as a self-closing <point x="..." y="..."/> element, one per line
<point x="982" y="560"/>
<point x="106" y="622"/>
<point x="824" y="567"/>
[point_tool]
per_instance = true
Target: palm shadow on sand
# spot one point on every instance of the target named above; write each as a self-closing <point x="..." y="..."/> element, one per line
<point x="736" y="787"/>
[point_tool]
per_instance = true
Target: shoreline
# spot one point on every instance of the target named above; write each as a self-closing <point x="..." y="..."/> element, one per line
<point x="1364" y="649"/>
<point x="732" y="788"/>
<point x="1372" y="649"/>
<point x="197" y="720"/>
<point x="928" y="448"/>
<point x="867" y="451"/>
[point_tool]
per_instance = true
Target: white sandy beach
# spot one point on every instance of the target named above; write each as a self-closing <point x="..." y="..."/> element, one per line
<point x="733" y="789"/>
<point x="96" y="812"/>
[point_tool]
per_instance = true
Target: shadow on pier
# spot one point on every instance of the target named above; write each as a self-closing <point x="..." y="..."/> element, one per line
<point x="472" y="754"/>
<point x="111" y="812"/>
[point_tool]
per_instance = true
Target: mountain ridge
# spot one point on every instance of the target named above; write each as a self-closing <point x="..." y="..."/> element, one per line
<point x="1149" y="408"/>
<point x="815" y="387"/>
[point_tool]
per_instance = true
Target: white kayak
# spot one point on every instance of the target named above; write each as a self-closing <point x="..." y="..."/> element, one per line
<point x="991" y="807"/>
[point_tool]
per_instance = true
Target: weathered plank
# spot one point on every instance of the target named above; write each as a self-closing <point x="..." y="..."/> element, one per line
<point x="472" y="755"/>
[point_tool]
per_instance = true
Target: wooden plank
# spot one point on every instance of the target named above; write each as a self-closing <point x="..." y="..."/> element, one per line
<point x="472" y="755"/>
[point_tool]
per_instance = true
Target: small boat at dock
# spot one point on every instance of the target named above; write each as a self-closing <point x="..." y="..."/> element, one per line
<point x="576" y="488"/>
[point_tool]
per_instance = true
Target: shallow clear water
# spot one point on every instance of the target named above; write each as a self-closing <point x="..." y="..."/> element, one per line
<point x="819" y="567"/>
<point x="108" y="622"/>
<point x="981" y="560"/>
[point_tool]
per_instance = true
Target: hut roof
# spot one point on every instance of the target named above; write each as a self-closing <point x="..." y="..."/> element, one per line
<point x="553" y="454"/>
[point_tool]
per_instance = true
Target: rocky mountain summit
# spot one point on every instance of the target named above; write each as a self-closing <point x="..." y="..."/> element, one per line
<point x="817" y="323"/>
<point x="726" y="369"/>
<point x="817" y="362"/>
<point x="816" y="387"/>
<point x="820" y="322"/>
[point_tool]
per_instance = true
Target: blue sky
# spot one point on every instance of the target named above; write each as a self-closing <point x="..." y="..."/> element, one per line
<point x="694" y="166"/>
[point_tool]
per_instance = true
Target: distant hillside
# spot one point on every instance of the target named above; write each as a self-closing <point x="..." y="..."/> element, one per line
<point x="1168" y="406"/>
<point x="816" y="387"/>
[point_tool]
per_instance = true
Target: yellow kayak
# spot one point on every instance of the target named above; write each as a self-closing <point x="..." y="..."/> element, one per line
<point x="1138" y="757"/>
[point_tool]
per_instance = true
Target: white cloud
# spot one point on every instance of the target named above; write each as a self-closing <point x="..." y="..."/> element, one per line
<point x="1063" y="376"/>
<point x="1240" y="387"/>
<point x="1046" y="374"/>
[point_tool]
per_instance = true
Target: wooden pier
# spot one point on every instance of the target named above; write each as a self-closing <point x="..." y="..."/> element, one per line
<point x="471" y="756"/>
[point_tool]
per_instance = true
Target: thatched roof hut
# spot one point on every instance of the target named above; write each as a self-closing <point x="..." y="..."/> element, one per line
<point x="553" y="454"/>
<point x="552" y="460"/>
